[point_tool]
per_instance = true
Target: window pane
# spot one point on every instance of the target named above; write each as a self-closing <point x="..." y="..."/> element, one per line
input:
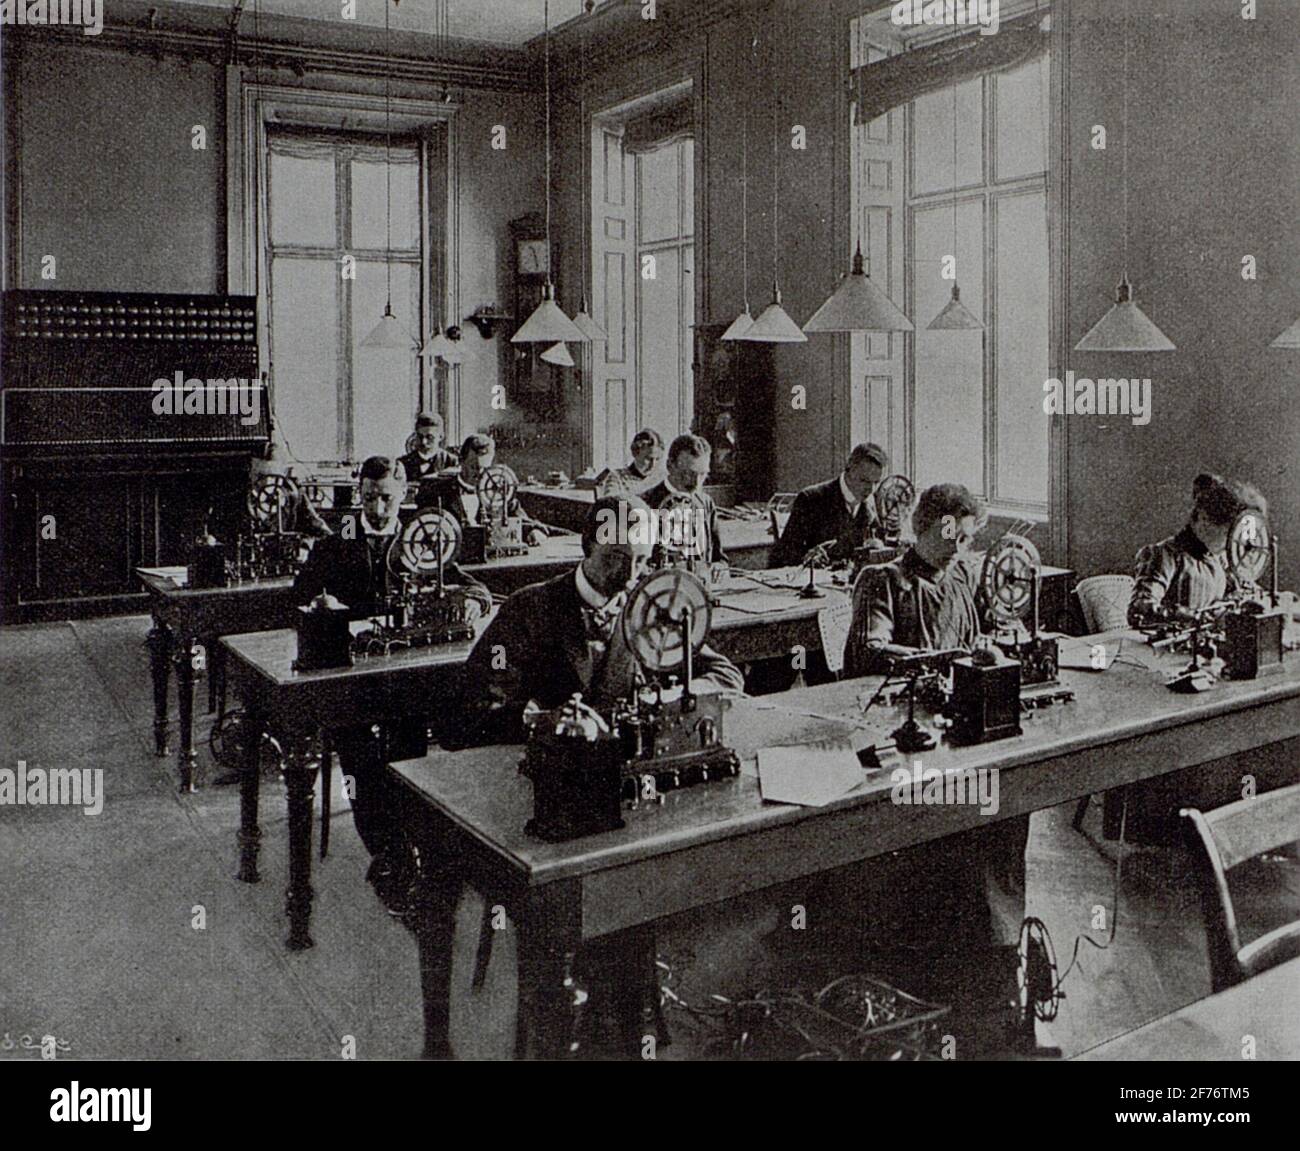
<point x="385" y="382"/>
<point x="658" y="199"/>
<point x="932" y="125"/>
<point x="1021" y="335"/>
<point x="304" y="323"/>
<point x="949" y="406"/>
<point x="1022" y="120"/>
<point x="658" y="330"/>
<point x="301" y="194"/>
<point x="369" y="193"/>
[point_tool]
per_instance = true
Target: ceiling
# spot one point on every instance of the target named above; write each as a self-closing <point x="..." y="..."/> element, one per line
<point x="508" y="23"/>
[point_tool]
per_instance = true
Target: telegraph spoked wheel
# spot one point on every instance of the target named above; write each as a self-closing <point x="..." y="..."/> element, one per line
<point x="1036" y="978"/>
<point x="655" y="612"/>
<point x="895" y="498"/>
<point x="496" y="490"/>
<point x="681" y="527"/>
<point x="1248" y="547"/>
<point x="1007" y="579"/>
<point x="429" y="540"/>
<point x="228" y="739"/>
<point x="270" y="498"/>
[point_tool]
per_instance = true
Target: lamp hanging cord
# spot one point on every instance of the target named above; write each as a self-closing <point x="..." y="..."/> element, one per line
<point x="1125" y="155"/>
<point x="546" y="24"/>
<point x="776" y="181"/>
<point x="388" y="165"/>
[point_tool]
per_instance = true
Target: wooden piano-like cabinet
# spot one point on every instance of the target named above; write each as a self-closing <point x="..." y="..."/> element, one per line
<point x="95" y="482"/>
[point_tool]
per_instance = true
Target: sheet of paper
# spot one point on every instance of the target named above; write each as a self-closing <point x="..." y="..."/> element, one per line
<point x="1088" y="654"/>
<point x="811" y="775"/>
<point x="833" y="623"/>
<point x="178" y="575"/>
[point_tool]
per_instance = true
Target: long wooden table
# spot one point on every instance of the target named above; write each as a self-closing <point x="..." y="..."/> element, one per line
<point x="755" y="621"/>
<point x="718" y="841"/>
<point x="1267" y="1008"/>
<point x="187" y="622"/>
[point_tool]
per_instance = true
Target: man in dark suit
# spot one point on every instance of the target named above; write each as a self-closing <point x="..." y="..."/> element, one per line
<point x="689" y="457"/>
<point x="352" y="566"/>
<point x="428" y="459"/>
<point x="557" y="638"/>
<point x="458" y="493"/>
<point x="831" y="519"/>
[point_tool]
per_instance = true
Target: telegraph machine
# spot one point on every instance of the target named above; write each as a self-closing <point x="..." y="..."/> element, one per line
<point x="683" y="539"/>
<point x="421" y="610"/>
<point x="268" y="546"/>
<point x="1009" y="586"/>
<point x="1246" y="630"/>
<point x="587" y="763"/>
<point x="498" y="533"/>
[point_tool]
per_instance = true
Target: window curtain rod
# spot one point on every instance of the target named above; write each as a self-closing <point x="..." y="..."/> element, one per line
<point x="897" y="80"/>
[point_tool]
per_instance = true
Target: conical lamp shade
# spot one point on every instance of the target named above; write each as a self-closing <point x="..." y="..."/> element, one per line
<point x="1125" y="328"/>
<point x="587" y="323"/>
<point x="440" y="347"/>
<point x="1288" y="339"/>
<point x="547" y="324"/>
<point x="955" y="317"/>
<point x="559" y="355"/>
<point x="388" y="333"/>
<point x="774" y="325"/>
<point x="858" y="305"/>
<point x="739" y="326"/>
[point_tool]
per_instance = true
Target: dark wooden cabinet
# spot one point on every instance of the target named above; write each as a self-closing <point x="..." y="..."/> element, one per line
<point x="75" y="530"/>
<point x="734" y="390"/>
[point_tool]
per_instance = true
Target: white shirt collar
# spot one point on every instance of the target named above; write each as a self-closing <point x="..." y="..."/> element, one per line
<point x="588" y="594"/>
<point x="849" y="498"/>
<point x="388" y="529"/>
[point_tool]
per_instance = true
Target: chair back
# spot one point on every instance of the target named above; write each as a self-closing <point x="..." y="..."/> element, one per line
<point x="1104" y="600"/>
<point x="778" y="512"/>
<point x="1221" y="840"/>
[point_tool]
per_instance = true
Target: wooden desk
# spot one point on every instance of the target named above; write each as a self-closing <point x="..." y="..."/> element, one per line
<point x="1266" y="1007"/>
<point x="746" y="542"/>
<point x="185" y="619"/>
<point x="295" y="706"/>
<point x="719" y="841"/>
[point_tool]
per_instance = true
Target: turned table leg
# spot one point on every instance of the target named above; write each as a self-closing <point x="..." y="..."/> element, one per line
<point x="160" y="655"/>
<point x="300" y="781"/>
<point x="185" y="757"/>
<point x="250" y="834"/>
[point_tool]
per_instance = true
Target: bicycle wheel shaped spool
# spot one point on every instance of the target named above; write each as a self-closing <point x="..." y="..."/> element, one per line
<point x="1007" y="579"/>
<point x="655" y="612"/>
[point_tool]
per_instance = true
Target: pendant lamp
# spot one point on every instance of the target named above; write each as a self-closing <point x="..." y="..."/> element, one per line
<point x="388" y="333"/>
<point x="955" y="316"/>
<point x="548" y="324"/>
<point x="559" y="355"/>
<point x="1125" y="328"/>
<point x="773" y="324"/>
<point x="858" y="305"/>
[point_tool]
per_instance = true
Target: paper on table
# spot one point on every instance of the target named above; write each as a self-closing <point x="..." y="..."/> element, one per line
<point x="1088" y="654"/>
<point x="812" y="775"/>
<point x="833" y="622"/>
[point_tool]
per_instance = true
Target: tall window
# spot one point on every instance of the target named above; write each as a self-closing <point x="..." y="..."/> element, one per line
<point x="330" y="247"/>
<point x="963" y="406"/>
<point x="643" y="277"/>
<point x="665" y="240"/>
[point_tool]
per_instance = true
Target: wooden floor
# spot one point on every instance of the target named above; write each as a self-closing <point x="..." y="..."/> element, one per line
<point x="100" y="947"/>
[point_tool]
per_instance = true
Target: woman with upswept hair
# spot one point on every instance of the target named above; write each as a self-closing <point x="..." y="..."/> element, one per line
<point x="1185" y="573"/>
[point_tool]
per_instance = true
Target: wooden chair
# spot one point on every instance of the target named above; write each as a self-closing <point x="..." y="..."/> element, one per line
<point x="1220" y="840"/>
<point x="778" y="512"/>
<point x="1104" y="601"/>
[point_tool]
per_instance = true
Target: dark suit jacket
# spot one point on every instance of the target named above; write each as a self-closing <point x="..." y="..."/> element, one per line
<point x="659" y="493"/>
<point x="447" y="489"/>
<point x="819" y="514"/>
<point x="536" y="649"/>
<point x="425" y="472"/>
<point x="354" y="575"/>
